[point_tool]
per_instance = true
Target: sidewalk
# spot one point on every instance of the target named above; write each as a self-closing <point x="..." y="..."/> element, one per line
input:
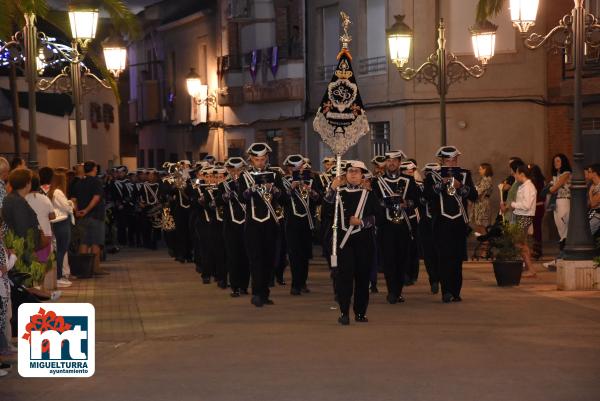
<point x="163" y="335"/>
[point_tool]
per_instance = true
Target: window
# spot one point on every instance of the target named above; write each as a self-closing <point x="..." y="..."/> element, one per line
<point x="142" y="159"/>
<point x="160" y="158"/>
<point x="376" y="59"/>
<point x="380" y="138"/>
<point x="151" y="158"/>
<point x="330" y="30"/>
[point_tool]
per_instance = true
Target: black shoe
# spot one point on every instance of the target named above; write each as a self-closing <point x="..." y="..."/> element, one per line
<point x="295" y="291"/>
<point x="456" y="299"/>
<point x="435" y="288"/>
<point x="206" y="280"/>
<point x="344" y="320"/>
<point x="374" y="289"/>
<point x="305" y="290"/>
<point x="222" y="285"/>
<point x="408" y="283"/>
<point x="446" y="298"/>
<point x="256" y="301"/>
<point x="272" y="283"/>
<point x="243" y="291"/>
<point x="268" y="302"/>
<point x="400" y="299"/>
<point x="392" y="298"/>
<point x="281" y="281"/>
<point x="5" y="366"/>
<point x="361" y="319"/>
<point x="180" y="260"/>
<point x="235" y="293"/>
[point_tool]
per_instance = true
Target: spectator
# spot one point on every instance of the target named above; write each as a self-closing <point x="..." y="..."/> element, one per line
<point x="17" y="163"/>
<point x="42" y="206"/>
<point x="61" y="225"/>
<point x="512" y="192"/>
<point x="78" y="175"/>
<point x="90" y="211"/>
<point x="4" y="283"/>
<point x="481" y="208"/>
<point x="538" y="179"/>
<point x="594" y="200"/>
<point x="46" y="174"/>
<point x="510" y="180"/>
<point x="523" y="208"/>
<point x="561" y="186"/>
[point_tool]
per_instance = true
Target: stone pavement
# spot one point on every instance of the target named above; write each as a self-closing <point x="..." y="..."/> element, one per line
<point x="163" y="335"/>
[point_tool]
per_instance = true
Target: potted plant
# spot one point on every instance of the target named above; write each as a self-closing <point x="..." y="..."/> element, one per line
<point x="507" y="261"/>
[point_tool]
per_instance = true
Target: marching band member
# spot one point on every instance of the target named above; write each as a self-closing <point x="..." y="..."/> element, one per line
<point x="215" y="246"/>
<point x="200" y="219"/>
<point x="378" y="163"/>
<point x="358" y="209"/>
<point x="260" y="188"/>
<point x="448" y="193"/>
<point x="299" y="220"/>
<point x="398" y="195"/>
<point x="409" y="168"/>
<point x="430" y="256"/>
<point x="234" y="219"/>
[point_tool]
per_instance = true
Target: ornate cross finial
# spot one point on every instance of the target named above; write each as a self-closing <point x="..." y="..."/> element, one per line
<point x="346" y="38"/>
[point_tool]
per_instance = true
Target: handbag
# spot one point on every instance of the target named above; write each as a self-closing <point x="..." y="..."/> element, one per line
<point x="550" y="203"/>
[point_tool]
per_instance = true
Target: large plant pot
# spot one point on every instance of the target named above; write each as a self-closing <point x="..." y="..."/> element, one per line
<point x="82" y="265"/>
<point x="508" y="272"/>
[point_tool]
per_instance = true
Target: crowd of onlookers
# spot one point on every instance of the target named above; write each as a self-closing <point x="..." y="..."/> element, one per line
<point x="55" y="211"/>
<point x="526" y="195"/>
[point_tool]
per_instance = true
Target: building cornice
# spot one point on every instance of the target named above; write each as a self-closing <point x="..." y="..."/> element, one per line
<point x="182" y="21"/>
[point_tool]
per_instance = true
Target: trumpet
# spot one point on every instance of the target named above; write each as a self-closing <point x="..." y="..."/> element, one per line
<point x="451" y="189"/>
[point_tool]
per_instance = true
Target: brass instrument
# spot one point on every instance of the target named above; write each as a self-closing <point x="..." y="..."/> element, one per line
<point x="396" y="214"/>
<point x="167" y="222"/>
<point x="304" y="192"/>
<point x="450" y="189"/>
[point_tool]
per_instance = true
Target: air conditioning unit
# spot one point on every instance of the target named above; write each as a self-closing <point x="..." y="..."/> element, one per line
<point x="238" y="9"/>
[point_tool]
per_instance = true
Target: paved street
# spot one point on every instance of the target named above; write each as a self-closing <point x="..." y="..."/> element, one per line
<point x="163" y="335"/>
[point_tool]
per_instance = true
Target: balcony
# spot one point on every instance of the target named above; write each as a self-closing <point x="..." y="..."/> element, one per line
<point x="275" y="91"/>
<point x="231" y="96"/>
<point x="373" y="65"/>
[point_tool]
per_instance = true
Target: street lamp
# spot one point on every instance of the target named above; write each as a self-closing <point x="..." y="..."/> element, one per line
<point x="523" y="13"/>
<point x="193" y="83"/>
<point x="115" y="54"/>
<point x="83" y="18"/>
<point x="441" y="69"/>
<point x="573" y="32"/>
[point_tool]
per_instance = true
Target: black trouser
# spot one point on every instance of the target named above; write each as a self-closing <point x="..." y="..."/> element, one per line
<point x="205" y="263"/>
<point x="429" y="249"/>
<point x="260" y="240"/>
<point x="413" y="258"/>
<point x="352" y="275"/>
<point x="132" y="228"/>
<point x="299" y="247"/>
<point x="235" y="256"/>
<point x="183" y="242"/>
<point x="395" y="247"/>
<point x="280" y="252"/>
<point x="217" y="250"/>
<point x="450" y="238"/>
<point x="121" y="220"/>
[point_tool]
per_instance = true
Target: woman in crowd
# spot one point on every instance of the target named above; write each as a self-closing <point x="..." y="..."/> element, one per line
<point x="5" y="347"/>
<point x="523" y="210"/>
<point x="538" y="179"/>
<point x="481" y="207"/>
<point x="561" y="187"/>
<point x="61" y="225"/>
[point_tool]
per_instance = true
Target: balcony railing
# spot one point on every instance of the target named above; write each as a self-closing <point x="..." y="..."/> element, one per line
<point x="325" y="72"/>
<point x="372" y="65"/>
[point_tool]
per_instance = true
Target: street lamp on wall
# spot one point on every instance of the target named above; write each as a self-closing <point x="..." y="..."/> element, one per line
<point x="399" y="40"/>
<point x="198" y="91"/>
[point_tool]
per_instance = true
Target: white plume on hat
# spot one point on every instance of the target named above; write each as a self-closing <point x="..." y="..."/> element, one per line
<point x="395" y="154"/>
<point x="447" y="152"/>
<point x="259" y="149"/>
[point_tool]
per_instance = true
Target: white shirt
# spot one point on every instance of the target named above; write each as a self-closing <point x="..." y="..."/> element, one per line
<point x="524" y="204"/>
<point x="42" y="206"/>
<point x="63" y="208"/>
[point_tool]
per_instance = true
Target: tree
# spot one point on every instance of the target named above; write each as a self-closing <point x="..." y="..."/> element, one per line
<point x="488" y="8"/>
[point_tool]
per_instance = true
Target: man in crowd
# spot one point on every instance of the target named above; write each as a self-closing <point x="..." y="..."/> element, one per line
<point x="89" y="195"/>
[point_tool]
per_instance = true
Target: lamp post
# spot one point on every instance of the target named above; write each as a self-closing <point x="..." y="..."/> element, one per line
<point x="573" y="33"/>
<point x="442" y="69"/>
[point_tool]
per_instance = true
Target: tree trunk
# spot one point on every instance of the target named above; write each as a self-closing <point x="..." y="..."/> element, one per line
<point x="15" y="108"/>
